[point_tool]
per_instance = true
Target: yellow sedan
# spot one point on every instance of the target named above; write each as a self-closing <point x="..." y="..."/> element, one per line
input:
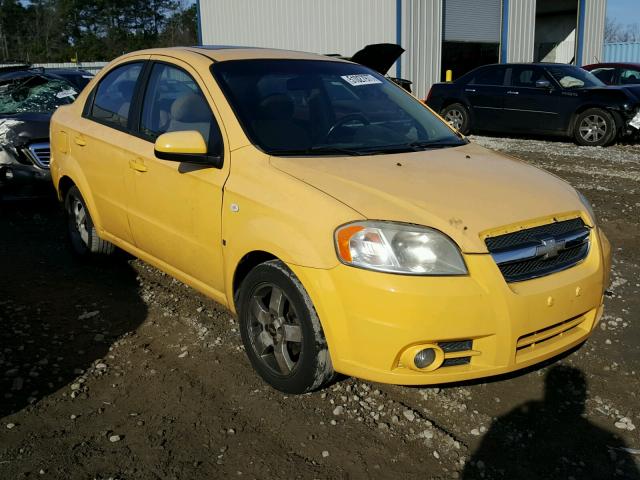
<point x="348" y="226"/>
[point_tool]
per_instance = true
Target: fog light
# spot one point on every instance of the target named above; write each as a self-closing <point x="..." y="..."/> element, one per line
<point x="424" y="358"/>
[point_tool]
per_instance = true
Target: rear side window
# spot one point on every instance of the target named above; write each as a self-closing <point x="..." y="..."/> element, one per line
<point x="173" y="102"/>
<point x="629" y="76"/>
<point x="113" y="97"/>
<point x="489" y="76"/>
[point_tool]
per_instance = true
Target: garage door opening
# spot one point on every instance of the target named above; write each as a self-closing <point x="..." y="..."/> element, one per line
<point x="471" y="32"/>
<point x="556" y="29"/>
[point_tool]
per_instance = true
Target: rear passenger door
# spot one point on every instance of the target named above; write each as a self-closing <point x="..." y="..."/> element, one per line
<point x="175" y="208"/>
<point x="105" y="124"/>
<point x="485" y="94"/>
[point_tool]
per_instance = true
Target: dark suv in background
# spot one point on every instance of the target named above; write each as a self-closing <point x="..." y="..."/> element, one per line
<point x="548" y="99"/>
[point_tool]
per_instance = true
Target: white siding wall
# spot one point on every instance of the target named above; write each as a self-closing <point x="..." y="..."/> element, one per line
<point x="327" y="26"/>
<point x="422" y="40"/>
<point x="522" y="28"/>
<point x="595" y="13"/>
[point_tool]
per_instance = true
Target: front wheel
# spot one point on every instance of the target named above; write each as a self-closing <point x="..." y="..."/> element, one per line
<point x="83" y="236"/>
<point x="281" y="331"/>
<point x="594" y="127"/>
<point x="458" y="117"/>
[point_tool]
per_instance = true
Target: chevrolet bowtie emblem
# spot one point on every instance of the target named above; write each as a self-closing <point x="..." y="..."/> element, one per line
<point x="549" y="248"/>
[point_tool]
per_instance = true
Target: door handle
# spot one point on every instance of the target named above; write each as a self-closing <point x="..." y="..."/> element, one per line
<point x="79" y="141"/>
<point x="469" y="89"/>
<point x="511" y="92"/>
<point x="137" y="165"/>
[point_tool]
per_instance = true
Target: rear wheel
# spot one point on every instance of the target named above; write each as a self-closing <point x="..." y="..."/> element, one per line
<point x="281" y="331"/>
<point x="83" y="236"/>
<point x="458" y="117"/>
<point x="594" y="127"/>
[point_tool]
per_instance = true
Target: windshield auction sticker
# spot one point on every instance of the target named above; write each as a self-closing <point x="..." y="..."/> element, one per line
<point x="360" y="79"/>
<point x="70" y="92"/>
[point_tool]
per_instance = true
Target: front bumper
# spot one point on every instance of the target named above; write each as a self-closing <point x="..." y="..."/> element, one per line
<point x="18" y="174"/>
<point x="371" y="318"/>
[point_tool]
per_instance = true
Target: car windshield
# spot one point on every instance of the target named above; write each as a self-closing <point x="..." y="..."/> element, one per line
<point x="574" y="77"/>
<point x="34" y="93"/>
<point x="312" y="107"/>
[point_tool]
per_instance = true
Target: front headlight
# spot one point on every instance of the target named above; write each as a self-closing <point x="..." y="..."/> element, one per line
<point x="588" y="207"/>
<point x="398" y="248"/>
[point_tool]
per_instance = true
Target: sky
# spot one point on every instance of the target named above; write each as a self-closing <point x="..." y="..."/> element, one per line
<point x="624" y="11"/>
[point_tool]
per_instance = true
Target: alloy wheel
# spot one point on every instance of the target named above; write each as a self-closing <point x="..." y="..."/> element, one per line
<point x="455" y="118"/>
<point x="593" y="128"/>
<point x="274" y="329"/>
<point x="78" y="219"/>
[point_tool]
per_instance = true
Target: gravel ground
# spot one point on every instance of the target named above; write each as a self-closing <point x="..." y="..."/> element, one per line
<point x="114" y="370"/>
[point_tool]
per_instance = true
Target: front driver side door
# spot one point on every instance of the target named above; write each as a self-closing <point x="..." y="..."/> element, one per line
<point x="531" y="108"/>
<point x="175" y="208"/>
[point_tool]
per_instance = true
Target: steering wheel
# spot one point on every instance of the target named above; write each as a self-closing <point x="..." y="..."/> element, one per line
<point x="350" y="117"/>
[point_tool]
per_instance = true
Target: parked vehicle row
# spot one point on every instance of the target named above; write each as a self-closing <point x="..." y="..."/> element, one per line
<point x="350" y="228"/>
<point x="549" y="99"/>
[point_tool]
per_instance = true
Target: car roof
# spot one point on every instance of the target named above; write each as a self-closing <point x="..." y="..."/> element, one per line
<point x="613" y="64"/>
<point x="222" y="53"/>
<point x="529" y="64"/>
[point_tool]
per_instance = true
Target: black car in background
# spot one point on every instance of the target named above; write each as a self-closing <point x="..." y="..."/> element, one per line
<point x="78" y="77"/>
<point x="28" y="97"/>
<point x="542" y="98"/>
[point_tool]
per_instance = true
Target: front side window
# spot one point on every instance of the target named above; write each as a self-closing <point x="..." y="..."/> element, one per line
<point x="312" y="107"/>
<point x="173" y="102"/>
<point x="574" y="77"/>
<point x="114" y="95"/>
<point x="526" y="77"/>
<point x="629" y="76"/>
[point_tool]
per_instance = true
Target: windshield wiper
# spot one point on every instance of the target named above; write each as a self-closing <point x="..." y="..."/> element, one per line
<point x="413" y="146"/>
<point x="317" y="149"/>
<point x="437" y="144"/>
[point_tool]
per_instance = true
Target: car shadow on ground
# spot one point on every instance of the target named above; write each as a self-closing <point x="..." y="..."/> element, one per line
<point x="551" y="439"/>
<point x="58" y="315"/>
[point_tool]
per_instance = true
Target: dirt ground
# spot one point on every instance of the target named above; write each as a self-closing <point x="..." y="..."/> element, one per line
<point x="113" y="369"/>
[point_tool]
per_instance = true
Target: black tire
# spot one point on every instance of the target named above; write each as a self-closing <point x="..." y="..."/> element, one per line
<point x="594" y="127"/>
<point x="457" y="115"/>
<point x="281" y="331"/>
<point x="83" y="236"/>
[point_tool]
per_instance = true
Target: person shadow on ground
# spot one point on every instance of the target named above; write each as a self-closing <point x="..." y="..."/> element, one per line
<point x="551" y="439"/>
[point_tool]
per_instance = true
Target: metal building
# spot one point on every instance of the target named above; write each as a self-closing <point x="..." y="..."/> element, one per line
<point x="438" y="35"/>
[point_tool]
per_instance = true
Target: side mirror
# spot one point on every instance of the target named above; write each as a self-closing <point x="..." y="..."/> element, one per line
<point x="185" y="146"/>
<point x="543" y="83"/>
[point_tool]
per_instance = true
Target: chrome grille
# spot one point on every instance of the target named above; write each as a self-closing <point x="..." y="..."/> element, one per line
<point x="541" y="250"/>
<point x="40" y="154"/>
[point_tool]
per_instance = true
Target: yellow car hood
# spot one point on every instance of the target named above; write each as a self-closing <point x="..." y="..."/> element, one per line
<point x="464" y="191"/>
